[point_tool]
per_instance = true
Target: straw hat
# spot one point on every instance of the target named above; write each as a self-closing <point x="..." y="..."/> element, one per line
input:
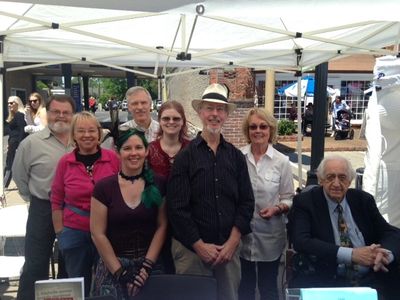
<point x="214" y="93"/>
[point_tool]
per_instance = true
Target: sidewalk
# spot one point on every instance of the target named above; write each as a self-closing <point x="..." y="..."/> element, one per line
<point x="331" y="144"/>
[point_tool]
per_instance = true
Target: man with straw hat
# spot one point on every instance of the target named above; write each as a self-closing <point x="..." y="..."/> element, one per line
<point x="210" y="200"/>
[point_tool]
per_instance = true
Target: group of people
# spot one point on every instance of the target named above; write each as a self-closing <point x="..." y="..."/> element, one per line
<point x="22" y="120"/>
<point x="161" y="203"/>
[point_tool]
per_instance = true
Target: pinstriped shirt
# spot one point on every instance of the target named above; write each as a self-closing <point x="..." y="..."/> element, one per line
<point x="209" y="193"/>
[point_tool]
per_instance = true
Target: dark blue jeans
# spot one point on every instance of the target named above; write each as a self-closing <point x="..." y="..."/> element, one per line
<point x="39" y="240"/>
<point x="79" y="254"/>
<point x="266" y="279"/>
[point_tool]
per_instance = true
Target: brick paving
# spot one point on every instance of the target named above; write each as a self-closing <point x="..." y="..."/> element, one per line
<point x="356" y="144"/>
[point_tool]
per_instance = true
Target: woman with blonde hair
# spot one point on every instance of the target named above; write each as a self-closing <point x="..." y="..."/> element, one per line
<point x="71" y="193"/>
<point x="16" y="124"/>
<point x="35" y="113"/>
<point x="272" y="182"/>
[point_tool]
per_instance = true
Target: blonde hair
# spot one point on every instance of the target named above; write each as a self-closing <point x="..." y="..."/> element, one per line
<point x="21" y="109"/>
<point x="41" y="103"/>
<point x="84" y="116"/>
<point x="265" y="116"/>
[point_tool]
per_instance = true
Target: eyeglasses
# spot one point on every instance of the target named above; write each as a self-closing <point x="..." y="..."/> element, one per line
<point x="33" y="101"/>
<point x="12" y="103"/>
<point x="168" y="119"/>
<point x="261" y="126"/>
<point x="84" y="131"/>
<point x="59" y="113"/>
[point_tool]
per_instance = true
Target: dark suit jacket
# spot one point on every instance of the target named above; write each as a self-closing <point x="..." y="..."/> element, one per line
<point x="312" y="233"/>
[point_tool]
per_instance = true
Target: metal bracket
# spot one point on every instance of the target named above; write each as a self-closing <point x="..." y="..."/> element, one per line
<point x="183" y="56"/>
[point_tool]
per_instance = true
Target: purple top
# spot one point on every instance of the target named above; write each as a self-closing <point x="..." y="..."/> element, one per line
<point x="130" y="231"/>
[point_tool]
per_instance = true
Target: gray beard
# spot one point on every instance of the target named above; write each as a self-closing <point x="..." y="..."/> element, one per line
<point x="214" y="131"/>
<point x="60" y="127"/>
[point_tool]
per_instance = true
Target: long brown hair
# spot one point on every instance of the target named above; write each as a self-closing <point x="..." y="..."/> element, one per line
<point x="41" y="102"/>
<point x="179" y="108"/>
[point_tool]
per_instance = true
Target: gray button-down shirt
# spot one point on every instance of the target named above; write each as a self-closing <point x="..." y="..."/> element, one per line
<point x="35" y="164"/>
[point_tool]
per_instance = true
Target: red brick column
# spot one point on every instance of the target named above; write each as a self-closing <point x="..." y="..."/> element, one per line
<point x="241" y="84"/>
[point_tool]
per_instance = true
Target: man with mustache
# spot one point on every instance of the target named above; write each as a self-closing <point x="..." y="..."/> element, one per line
<point x="33" y="170"/>
<point x="139" y="105"/>
<point x="210" y="199"/>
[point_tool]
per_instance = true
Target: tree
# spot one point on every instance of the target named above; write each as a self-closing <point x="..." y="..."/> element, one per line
<point x="151" y="85"/>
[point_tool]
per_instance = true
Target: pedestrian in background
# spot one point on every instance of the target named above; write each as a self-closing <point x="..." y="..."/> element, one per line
<point x="16" y="124"/>
<point x="35" y="113"/>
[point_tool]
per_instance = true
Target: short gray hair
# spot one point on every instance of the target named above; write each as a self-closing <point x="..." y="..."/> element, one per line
<point x="321" y="170"/>
<point x="135" y="89"/>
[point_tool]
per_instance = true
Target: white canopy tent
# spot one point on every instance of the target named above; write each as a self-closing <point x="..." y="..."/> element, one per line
<point x="287" y="35"/>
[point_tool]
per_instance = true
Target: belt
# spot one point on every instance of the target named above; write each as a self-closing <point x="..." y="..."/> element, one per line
<point x="78" y="211"/>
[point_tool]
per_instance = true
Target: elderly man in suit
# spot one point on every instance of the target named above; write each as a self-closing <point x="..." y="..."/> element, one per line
<point x="340" y="237"/>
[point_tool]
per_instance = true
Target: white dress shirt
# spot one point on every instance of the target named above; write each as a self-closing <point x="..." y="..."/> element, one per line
<point x="272" y="183"/>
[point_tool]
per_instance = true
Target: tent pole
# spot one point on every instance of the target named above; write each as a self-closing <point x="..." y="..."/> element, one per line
<point x="299" y="134"/>
<point x="319" y="120"/>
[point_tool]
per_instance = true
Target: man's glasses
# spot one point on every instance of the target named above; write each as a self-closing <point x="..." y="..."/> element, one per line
<point x="59" y="113"/>
<point x="33" y="101"/>
<point x="261" y="126"/>
<point x="168" y="119"/>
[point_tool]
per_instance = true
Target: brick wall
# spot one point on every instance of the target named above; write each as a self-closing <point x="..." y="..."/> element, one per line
<point x="241" y="84"/>
<point x="232" y="129"/>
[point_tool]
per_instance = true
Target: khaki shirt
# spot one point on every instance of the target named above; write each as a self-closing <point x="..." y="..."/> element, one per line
<point x="35" y="164"/>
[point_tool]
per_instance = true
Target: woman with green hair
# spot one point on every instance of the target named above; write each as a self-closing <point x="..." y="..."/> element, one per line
<point x="128" y="221"/>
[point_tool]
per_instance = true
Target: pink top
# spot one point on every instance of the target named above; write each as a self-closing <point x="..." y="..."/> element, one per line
<point x="73" y="186"/>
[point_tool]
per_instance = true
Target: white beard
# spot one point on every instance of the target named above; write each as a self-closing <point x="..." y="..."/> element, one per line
<point x="60" y="127"/>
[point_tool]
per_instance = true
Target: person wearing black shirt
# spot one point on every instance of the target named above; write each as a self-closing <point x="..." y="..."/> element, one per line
<point x="210" y="199"/>
<point x="16" y="123"/>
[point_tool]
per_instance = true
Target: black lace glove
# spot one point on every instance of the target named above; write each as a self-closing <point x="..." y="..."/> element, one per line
<point x="147" y="265"/>
<point x="124" y="276"/>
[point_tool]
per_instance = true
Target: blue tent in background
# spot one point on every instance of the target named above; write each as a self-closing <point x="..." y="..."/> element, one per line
<point x="307" y="88"/>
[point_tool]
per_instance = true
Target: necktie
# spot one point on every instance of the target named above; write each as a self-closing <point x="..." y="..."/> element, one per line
<point x="350" y="272"/>
<point x="343" y="229"/>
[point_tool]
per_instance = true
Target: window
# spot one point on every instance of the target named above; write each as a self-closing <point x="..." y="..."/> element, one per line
<point x="353" y="93"/>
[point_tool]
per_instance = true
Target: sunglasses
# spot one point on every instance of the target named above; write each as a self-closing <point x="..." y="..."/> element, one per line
<point x="33" y="101"/>
<point x="168" y="119"/>
<point x="261" y="126"/>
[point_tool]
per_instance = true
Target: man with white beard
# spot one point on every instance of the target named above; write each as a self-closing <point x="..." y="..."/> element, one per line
<point x="210" y="199"/>
<point x="33" y="170"/>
